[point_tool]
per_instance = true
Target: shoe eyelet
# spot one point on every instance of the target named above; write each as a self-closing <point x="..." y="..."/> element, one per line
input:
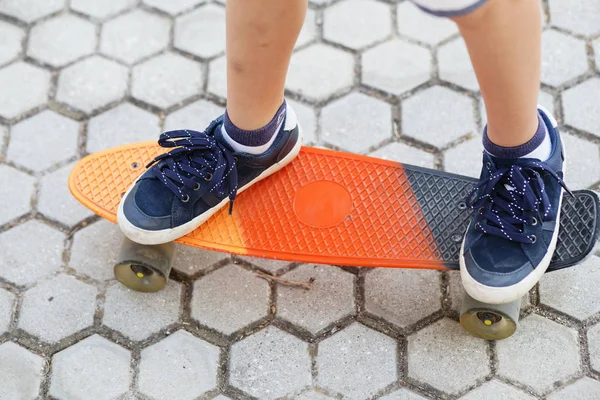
<point x="534" y="221"/>
<point x="235" y="159"/>
<point x="185" y="199"/>
<point x="462" y="205"/>
<point x="488" y="164"/>
<point x="533" y="239"/>
<point x="197" y="187"/>
<point x="208" y="177"/>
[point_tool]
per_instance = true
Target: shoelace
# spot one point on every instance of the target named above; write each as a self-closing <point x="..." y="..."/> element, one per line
<point x="511" y="197"/>
<point x="198" y="162"/>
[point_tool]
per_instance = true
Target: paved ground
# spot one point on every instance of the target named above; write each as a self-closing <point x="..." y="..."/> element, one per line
<point x="79" y="76"/>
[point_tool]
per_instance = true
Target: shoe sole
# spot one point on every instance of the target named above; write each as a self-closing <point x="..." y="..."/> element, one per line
<point x="147" y="237"/>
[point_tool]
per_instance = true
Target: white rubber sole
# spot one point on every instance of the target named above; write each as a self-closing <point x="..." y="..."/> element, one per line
<point x="143" y="236"/>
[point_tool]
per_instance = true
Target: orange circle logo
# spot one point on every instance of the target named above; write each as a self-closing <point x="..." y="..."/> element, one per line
<point x="322" y="204"/>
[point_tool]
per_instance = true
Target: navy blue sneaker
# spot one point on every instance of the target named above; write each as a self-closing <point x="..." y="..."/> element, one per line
<point x="512" y="235"/>
<point x="201" y="174"/>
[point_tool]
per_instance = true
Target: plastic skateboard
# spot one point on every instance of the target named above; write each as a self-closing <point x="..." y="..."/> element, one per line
<point x="327" y="207"/>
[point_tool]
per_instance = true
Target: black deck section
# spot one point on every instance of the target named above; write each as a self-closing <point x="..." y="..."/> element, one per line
<point x="442" y="195"/>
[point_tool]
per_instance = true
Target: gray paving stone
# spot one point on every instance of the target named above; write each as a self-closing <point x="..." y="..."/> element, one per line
<point x="312" y="395"/>
<point x="405" y="154"/>
<point x="594" y="346"/>
<point x="563" y="57"/>
<point x="403" y="394"/>
<point x="20" y="372"/>
<point x="318" y="71"/>
<point x="402" y="296"/>
<point x="138" y="315"/>
<point x="30" y="10"/>
<point x="92" y="83"/>
<point x="135" y="35"/>
<point x="437" y="116"/>
<point x="56" y="202"/>
<point x="581" y="108"/>
<point x="12" y="37"/>
<point x="57" y="308"/>
<point x="596" y="47"/>
<point x="101" y="9"/>
<point x="172" y="7"/>
<point x="61" y="40"/>
<point x="95" y="249"/>
<point x="583" y="389"/>
<point x="396" y="66"/>
<point x="455" y="65"/>
<point x="43" y="140"/>
<point x="221" y="397"/>
<point x="16" y="189"/>
<point x="166" y="80"/>
<point x="75" y="370"/>
<point x="465" y="159"/>
<point x="581" y="17"/>
<point x="330" y="298"/>
<point x="309" y="29"/>
<point x="412" y="22"/>
<point x="270" y="364"/>
<point x="191" y="260"/>
<point x="496" y="390"/>
<point x="123" y="124"/>
<point x="356" y="123"/>
<point x="29" y="252"/>
<point x="371" y="21"/>
<point x="369" y="358"/>
<point x="24" y="87"/>
<point x="583" y="162"/>
<point x="540" y="354"/>
<point x="271" y="266"/>
<point x="207" y="22"/>
<point x="439" y="348"/>
<point x="229" y="299"/>
<point x="7" y="303"/>
<point x="217" y="77"/>
<point x="308" y="121"/>
<point x="178" y="367"/>
<point x="195" y="116"/>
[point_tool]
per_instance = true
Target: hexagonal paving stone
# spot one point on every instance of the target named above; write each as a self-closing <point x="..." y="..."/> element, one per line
<point x="217" y="77"/>
<point x="207" y="22"/>
<point x="465" y="159"/>
<point x="369" y="358"/>
<point x="308" y="121"/>
<point x="24" y="87"/>
<point x="439" y="348"/>
<point x="29" y="252"/>
<point x="400" y="296"/>
<point x="403" y="394"/>
<point x="496" y="390"/>
<point x="123" y="124"/>
<point x="594" y="346"/>
<point x="75" y="370"/>
<point x="56" y="202"/>
<point x="43" y="140"/>
<point x="61" y="40"/>
<point x="330" y="298"/>
<point x="229" y="299"/>
<point x="596" y="46"/>
<point x="405" y="154"/>
<point x="356" y="122"/>
<point x="190" y="261"/>
<point x="178" y="367"/>
<point x="92" y="83"/>
<point x="273" y="267"/>
<point x="30" y="10"/>
<point x="540" y="354"/>
<point x="583" y="162"/>
<point x="581" y="108"/>
<point x="583" y="389"/>
<point x="579" y="16"/>
<point x="437" y="116"/>
<point x="312" y="395"/>
<point x="172" y="7"/>
<point x="95" y="250"/>
<point x="21" y="372"/>
<point x="455" y="64"/>
<point x="563" y="57"/>
<point x="195" y="116"/>
<point x="270" y="364"/>
<point x="16" y="189"/>
<point x="166" y="80"/>
<point x="412" y="20"/>
<point x="7" y="302"/>
<point x="138" y="315"/>
<point x="318" y="71"/>
<point x="57" y="308"/>
<point x="101" y="9"/>
<point x="396" y="66"/>
<point x="309" y="29"/>
<point x="145" y="34"/>
<point x="370" y="21"/>
<point x="12" y="38"/>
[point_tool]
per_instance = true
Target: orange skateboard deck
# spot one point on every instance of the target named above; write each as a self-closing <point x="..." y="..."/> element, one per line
<point x="334" y="208"/>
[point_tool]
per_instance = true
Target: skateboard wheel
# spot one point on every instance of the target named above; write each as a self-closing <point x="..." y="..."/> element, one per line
<point x="144" y="268"/>
<point x="489" y="321"/>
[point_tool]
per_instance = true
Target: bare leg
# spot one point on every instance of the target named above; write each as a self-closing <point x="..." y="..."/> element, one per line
<point x="260" y="39"/>
<point x="504" y="42"/>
